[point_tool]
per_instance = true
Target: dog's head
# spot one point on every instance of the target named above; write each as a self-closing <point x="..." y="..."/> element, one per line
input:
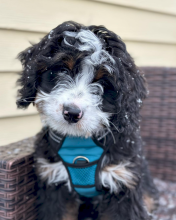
<point x="82" y="80"/>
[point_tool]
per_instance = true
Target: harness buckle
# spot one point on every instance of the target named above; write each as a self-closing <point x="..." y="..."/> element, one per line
<point x="85" y="159"/>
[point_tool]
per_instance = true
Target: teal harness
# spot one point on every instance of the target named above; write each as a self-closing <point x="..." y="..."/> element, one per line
<point x="82" y="158"/>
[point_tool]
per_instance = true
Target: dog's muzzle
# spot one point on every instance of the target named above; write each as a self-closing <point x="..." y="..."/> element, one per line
<point x="72" y="113"/>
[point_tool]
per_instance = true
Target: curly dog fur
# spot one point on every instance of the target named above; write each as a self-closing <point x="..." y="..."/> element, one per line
<point x="90" y="68"/>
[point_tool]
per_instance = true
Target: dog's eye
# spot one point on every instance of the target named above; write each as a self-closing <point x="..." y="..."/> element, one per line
<point x="64" y="70"/>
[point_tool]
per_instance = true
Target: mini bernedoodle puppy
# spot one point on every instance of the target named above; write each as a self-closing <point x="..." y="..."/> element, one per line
<point x="88" y="157"/>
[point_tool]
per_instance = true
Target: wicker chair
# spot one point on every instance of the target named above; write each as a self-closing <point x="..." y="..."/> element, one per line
<point x="159" y="122"/>
<point x="17" y="179"/>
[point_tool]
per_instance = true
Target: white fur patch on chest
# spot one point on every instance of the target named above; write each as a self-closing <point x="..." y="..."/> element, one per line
<point x="114" y="176"/>
<point x="111" y="177"/>
<point x="53" y="173"/>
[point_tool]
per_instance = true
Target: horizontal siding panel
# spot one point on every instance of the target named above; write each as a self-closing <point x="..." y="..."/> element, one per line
<point x="146" y="54"/>
<point x="8" y="92"/>
<point x="161" y="6"/>
<point x="11" y="43"/>
<point x="129" y="23"/>
<point x="18" y="128"/>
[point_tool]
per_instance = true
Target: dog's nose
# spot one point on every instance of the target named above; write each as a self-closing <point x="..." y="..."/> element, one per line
<point x="72" y="113"/>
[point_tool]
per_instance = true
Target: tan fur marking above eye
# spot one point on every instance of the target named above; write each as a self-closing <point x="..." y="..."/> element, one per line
<point x="41" y="67"/>
<point x="100" y="73"/>
<point x="70" y="63"/>
<point x="65" y="58"/>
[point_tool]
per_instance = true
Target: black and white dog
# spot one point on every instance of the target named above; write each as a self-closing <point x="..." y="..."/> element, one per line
<point x="86" y="87"/>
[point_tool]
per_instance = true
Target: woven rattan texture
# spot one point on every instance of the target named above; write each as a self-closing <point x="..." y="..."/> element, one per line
<point x="17" y="181"/>
<point x="159" y="122"/>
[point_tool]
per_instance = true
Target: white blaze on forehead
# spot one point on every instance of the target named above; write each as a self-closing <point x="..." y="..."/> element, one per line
<point x="90" y="42"/>
<point x="89" y="39"/>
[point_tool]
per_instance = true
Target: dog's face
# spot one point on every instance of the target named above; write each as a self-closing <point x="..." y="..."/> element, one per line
<point x="82" y="81"/>
<point x="71" y="92"/>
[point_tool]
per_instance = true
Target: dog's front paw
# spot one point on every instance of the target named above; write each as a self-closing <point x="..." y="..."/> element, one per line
<point x="114" y="176"/>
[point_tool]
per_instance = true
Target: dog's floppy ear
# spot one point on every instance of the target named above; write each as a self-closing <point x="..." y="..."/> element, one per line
<point x="32" y="58"/>
<point x="28" y="77"/>
<point x="130" y="84"/>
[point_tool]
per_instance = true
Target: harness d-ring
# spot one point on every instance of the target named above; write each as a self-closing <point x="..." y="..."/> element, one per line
<point x="80" y="157"/>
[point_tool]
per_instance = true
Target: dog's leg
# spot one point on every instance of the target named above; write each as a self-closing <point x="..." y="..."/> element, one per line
<point x="55" y="201"/>
<point x="134" y="205"/>
<point x="150" y="192"/>
<point x="130" y="206"/>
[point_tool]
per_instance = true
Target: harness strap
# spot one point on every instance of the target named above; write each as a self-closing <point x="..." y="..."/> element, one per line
<point x="56" y="140"/>
<point x="82" y="158"/>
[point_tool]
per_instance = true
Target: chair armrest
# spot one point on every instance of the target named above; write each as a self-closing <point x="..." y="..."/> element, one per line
<point x="17" y="181"/>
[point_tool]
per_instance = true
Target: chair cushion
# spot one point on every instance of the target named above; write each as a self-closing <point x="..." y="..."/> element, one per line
<point x="167" y="200"/>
